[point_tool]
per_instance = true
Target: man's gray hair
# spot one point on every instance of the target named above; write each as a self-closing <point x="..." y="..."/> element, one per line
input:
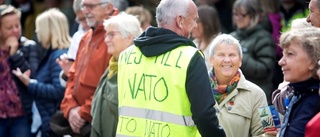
<point x="109" y="1"/>
<point x="168" y="10"/>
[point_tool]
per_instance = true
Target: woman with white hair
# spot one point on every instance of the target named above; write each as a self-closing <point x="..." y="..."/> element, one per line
<point x="238" y="99"/>
<point x="120" y="32"/>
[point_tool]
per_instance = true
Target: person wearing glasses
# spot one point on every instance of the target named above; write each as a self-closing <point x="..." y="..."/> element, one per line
<point x="91" y="61"/>
<point x="16" y="51"/>
<point x="120" y="32"/>
<point x="66" y="60"/>
<point x="258" y="47"/>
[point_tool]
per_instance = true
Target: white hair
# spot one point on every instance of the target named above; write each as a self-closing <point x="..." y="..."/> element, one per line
<point x="126" y="23"/>
<point x="227" y="39"/>
<point x="168" y="10"/>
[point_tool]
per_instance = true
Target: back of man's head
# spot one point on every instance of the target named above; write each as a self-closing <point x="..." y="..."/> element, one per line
<point x="109" y="1"/>
<point x="168" y="10"/>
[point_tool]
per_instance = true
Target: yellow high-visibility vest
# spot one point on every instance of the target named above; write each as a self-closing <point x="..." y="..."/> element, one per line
<point x="152" y="94"/>
<point x="287" y="25"/>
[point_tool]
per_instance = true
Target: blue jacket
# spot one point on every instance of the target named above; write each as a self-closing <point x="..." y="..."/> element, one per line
<point x="26" y="57"/>
<point x="301" y="108"/>
<point x="47" y="90"/>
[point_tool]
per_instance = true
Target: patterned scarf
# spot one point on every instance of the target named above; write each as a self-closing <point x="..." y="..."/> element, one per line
<point x="113" y="67"/>
<point x="220" y="92"/>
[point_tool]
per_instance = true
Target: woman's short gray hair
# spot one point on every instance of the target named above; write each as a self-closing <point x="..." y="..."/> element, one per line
<point x="227" y="39"/>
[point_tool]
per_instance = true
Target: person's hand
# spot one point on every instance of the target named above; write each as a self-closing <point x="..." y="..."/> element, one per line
<point x="24" y="77"/>
<point x="75" y="121"/>
<point x="12" y="42"/>
<point x="64" y="63"/>
<point x="272" y="133"/>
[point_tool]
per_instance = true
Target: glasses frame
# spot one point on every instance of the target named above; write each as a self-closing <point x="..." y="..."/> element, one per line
<point x="111" y="34"/>
<point x="92" y="6"/>
<point x="240" y="15"/>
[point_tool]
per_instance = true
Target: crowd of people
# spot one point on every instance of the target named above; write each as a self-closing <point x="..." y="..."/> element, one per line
<point x="191" y="75"/>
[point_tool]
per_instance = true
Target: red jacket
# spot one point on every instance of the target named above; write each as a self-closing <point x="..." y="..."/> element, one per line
<point x="84" y="75"/>
<point x="313" y="126"/>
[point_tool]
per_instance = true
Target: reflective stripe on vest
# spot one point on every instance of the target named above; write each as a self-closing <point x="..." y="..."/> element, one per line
<point x="152" y="95"/>
<point x="157" y="115"/>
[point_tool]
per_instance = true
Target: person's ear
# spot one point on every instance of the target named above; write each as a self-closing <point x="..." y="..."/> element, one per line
<point x="179" y="21"/>
<point x="312" y="66"/>
<point x="115" y="11"/>
<point x="211" y="61"/>
<point x="110" y="10"/>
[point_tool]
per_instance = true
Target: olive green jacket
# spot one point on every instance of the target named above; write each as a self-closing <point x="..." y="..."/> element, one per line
<point x="104" y="110"/>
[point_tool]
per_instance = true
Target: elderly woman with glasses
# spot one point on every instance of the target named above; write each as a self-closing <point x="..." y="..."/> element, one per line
<point x="258" y="48"/>
<point x="120" y="32"/>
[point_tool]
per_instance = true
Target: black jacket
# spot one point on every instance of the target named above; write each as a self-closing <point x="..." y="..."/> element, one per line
<point x="25" y="58"/>
<point x="302" y="109"/>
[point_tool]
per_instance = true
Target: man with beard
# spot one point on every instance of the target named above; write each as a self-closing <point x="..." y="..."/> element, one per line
<point x="92" y="60"/>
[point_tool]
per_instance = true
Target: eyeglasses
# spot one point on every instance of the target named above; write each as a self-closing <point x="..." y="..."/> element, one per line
<point x="111" y="34"/>
<point x="92" y="6"/>
<point x="240" y="15"/>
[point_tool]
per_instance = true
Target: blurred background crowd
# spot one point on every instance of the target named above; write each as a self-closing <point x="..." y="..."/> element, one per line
<point x="256" y="24"/>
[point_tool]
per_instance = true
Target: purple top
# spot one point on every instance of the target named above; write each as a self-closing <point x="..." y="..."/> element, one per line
<point x="10" y="103"/>
<point x="275" y="19"/>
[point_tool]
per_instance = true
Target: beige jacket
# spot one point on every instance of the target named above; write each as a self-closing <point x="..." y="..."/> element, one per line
<point x="238" y="113"/>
